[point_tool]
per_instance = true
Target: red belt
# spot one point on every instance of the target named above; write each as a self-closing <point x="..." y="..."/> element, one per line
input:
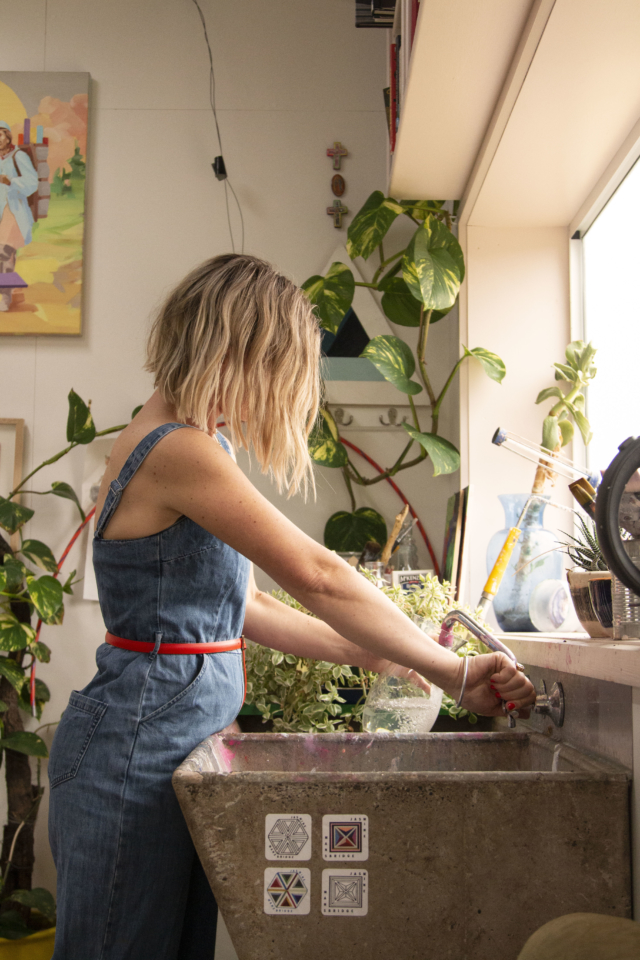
<point x="145" y="646"/>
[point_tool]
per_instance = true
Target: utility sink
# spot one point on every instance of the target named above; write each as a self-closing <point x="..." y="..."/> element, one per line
<point x="403" y="847"/>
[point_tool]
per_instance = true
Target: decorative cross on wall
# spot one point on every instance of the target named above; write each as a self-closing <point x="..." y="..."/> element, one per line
<point x="337" y="211"/>
<point x="337" y="152"/>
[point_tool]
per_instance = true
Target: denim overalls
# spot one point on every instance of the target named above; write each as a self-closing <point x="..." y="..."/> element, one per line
<point x="130" y="886"/>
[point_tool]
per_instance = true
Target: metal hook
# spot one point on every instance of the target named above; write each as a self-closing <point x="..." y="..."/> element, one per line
<point x="338" y="416"/>
<point x="392" y="413"/>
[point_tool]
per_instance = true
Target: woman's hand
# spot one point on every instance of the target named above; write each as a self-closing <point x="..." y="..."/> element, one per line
<point x="492" y="678"/>
<point x="5" y="180"/>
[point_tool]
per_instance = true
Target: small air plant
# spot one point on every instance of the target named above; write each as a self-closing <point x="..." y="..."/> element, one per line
<point x="584" y="550"/>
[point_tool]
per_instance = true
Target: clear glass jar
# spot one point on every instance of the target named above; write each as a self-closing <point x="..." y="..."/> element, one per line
<point x="401" y="701"/>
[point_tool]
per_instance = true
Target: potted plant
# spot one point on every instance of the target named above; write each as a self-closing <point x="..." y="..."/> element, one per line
<point x="590" y="581"/>
<point x="300" y="695"/>
<point x="418" y="285"/>
<point x="30" y="594"/>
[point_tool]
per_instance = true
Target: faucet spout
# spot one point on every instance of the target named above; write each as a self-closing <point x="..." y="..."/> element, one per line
<point x="550" y="705"/>
<point x="479" y="632"/>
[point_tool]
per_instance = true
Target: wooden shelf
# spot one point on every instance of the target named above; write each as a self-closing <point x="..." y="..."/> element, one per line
<point x="617" y="662"/>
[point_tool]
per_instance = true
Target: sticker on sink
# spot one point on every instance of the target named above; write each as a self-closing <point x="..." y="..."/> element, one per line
<point x="345" y="836"/>
<point x="286" y="891"/>
<point x="345" y="893"/>
<point x="287" y="836"/>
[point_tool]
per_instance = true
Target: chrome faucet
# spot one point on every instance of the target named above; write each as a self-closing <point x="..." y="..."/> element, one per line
<point x="551" y="705"/>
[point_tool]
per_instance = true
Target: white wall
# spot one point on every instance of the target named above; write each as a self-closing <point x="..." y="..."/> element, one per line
<point x="516" y="303"/>
<point x="292" y="77"/>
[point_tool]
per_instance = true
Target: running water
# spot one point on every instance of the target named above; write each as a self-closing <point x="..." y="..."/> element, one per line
<point x="401" y="714"/>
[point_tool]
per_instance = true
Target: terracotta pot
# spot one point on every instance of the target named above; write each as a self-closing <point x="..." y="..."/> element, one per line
<point x="580" y="594"/>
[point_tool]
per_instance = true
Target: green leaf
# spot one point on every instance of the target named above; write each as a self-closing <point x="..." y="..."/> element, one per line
<point x="394" y="359"/>
<point x="324" y="445"/>
<point x="493" y="366"/>
<point x="332" y="295"/>
<point x="350" y="531"/>
<point x="564" y="372"/>
<point x="12" y="574"/>
<point x="15" y="635"/>
<point x="12" y="926"/>
<point x="566" y="429"/>
<point x="549" y="392"/>
<point x="67" y="585"/>
<point x="3" y="706"/>
<point x="65" y="490"/>
<point x="433" y="265"/>
<point x="136" y="410"/>
<point x="46" y="594"/>
<point x="12" y="515"/>
<point x="37" y="899"/>
<point x="580" y="357"/>
<point x="40" y="651"/>
<point x="419" y="209"/>
<point x="42" y="696"/>
<point x="23" y="741"/>
<point x="39" y="553"/>
<point x="582" y="422"/>
<point x="444" y="455"/>
<point x="80" y="425"/>
<point x="399" y="304"/>
<point x="370" y="225"/>
<point x="13" y="672"/>
<point x="550" y="433"/>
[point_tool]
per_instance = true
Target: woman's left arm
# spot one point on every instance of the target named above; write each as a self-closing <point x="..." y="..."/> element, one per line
<point x="273" y="624"/>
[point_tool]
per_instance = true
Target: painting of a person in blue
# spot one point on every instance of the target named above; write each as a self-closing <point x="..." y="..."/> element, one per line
<point x="18" y="180"/>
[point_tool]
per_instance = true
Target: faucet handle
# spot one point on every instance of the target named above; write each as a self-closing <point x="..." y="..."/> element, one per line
<point x="552" y="704"/>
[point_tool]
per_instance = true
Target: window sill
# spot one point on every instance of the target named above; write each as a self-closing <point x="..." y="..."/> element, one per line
<point x="614" y="661"/>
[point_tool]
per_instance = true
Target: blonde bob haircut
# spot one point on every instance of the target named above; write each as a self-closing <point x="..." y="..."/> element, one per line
<point x="238" y="338"/>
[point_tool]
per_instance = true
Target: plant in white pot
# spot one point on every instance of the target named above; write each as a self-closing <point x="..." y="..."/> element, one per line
<point x="589" y="580"/>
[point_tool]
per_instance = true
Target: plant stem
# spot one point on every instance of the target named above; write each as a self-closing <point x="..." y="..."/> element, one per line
<point x="62" y="453"/>
<point x="385" y="263"/>
<point x="436" y="409"/>
<point x="361" y="283"/>
<point x="347" y="480"/>
<point x="414" y="414"/>
<point x="425" y="319"/>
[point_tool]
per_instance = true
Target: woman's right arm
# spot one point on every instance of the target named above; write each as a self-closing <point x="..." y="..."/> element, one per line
<point x="196" y="477"/>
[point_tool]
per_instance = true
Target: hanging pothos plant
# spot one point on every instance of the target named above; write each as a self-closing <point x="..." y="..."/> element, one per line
<point x="29" y="591"/>
<point x="419" y="285"/>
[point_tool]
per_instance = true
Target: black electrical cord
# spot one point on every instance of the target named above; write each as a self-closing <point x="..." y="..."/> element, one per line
<point x="212" y="100"/>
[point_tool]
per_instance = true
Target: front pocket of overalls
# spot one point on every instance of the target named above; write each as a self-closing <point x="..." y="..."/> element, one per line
<point x="184" y="692"/>
<point x="73" y="736"/>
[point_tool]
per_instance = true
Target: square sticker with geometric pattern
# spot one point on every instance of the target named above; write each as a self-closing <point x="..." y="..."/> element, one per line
<point x="345" y="893"/>
<point x="287" y="836"/>
<point x="345" y="837"/>
<point x="287" y="891"/>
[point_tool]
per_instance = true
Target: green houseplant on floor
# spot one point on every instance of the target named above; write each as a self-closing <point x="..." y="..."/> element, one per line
<point x="418" y="285"/>
<point x="30" y="594"/>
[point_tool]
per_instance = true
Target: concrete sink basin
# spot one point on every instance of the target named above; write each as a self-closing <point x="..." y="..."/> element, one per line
<point x="345" y="846"/>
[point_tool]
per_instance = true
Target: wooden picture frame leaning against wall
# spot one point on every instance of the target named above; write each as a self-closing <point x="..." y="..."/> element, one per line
<point x="11" y="459"/>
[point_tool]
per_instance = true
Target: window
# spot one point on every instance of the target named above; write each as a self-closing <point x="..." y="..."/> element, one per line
<point x="611" y="250"/>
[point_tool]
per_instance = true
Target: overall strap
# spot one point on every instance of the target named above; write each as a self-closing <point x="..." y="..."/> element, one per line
<point x="131" y="465"/>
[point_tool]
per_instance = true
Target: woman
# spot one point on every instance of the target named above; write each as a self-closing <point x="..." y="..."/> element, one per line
<point x="178" y="528"/>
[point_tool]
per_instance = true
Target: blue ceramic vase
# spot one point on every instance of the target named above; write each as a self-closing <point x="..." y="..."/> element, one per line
<point x="511" y="605"/>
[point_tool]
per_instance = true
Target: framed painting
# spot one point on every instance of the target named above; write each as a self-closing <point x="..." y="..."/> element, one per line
<point x="43" y="148"/>
<point x="11" y="454"/>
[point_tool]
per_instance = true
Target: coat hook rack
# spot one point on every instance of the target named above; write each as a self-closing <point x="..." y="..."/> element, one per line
<point x="392" y="413"/>
<point x="338" y="416"/>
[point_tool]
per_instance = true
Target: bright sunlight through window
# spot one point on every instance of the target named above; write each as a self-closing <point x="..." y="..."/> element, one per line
<point x="612" y="318"/>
